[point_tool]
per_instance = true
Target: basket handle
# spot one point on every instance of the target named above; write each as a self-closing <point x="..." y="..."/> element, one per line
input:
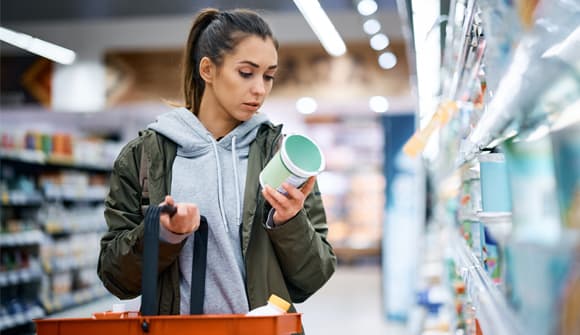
<point x="151" y="261"/>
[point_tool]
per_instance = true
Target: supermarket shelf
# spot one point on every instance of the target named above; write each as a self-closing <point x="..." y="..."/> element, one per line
<point x="76" y="194"/>
<point x="54" y="228"/>
<point x="35" y="157"/>
<point x="22" y="238"/>
<point x="77" y="198"/>
<point x="507" y="115"/>
<point x="21" y="276"/>
<point x="67" y="263"/>
<point x="492" y="310"/>
<point x="19" y="319"/>
<point x="19" y="198"/>
<point x="64" y="301"/>
<point x="463" y="47"/>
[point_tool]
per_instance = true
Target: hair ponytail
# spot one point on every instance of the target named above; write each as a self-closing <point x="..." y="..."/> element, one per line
<point x="193" y="85"/>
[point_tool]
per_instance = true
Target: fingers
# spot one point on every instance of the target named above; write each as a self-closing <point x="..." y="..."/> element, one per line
<point x="308" y="186"/>
<point x="185" y="220"/>
<point x="302" y="192"/>
<point x="274" y="197"/>
<point x="287" y="205"/>
<point x="169" y="200"/>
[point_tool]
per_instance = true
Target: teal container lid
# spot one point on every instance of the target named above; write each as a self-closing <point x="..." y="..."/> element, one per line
<point x="302" y="156"/>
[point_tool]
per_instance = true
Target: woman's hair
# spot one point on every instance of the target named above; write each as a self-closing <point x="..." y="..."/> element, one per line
<point x="213" y="34"/>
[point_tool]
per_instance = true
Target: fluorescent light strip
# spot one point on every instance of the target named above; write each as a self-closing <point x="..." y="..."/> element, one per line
<point x="322" y="26"/>
<point x="37" y="46"/>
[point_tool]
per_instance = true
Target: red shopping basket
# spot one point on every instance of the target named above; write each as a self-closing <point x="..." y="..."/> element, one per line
<point x="119" y="323"/>
<point x="133" y="323"/>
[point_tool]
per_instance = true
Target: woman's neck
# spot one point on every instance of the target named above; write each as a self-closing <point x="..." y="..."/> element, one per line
<point x="217" y="121"/>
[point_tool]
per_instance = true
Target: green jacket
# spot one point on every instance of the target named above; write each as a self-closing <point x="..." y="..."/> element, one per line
<point x="293" y="260"/>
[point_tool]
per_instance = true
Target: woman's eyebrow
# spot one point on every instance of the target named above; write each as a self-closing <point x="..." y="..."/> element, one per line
<point x="252" y="64"/>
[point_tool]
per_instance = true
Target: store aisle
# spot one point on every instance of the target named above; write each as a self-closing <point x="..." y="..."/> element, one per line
<point x="350" y="303"/>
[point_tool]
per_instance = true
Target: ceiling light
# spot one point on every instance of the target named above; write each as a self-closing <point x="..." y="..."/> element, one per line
<point x="306" y="105"/>
<point x="322" y="26"/>
<point x="367" y="7"/>
<point x="371" y="26"/>
<point x="387" y="60"/>
<point x="37" y="46"/>
<point x="379" y="104"/>
<point x="379" y="42"/>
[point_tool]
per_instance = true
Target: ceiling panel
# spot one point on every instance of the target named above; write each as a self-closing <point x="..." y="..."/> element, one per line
<point x="63" y="10"/>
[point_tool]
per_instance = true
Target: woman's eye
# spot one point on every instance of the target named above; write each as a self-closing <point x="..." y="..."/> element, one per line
<point x="268" y="78"/>
<point x="245" y="74"/>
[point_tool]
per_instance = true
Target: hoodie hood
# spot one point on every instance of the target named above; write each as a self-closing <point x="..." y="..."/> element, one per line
<point x="193" y="139"/>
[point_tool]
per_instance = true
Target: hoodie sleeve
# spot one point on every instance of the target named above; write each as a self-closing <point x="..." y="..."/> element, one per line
<point x="121" y="254"/>
<point x="305" y="235"/>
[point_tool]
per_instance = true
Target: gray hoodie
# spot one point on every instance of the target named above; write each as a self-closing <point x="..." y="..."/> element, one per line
<point x="212" y="175"/>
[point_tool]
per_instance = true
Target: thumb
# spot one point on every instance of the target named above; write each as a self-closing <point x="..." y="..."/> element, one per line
<point x="169" y="200"/>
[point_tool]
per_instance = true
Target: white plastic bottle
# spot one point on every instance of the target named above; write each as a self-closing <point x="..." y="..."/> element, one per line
<point x="275" y="306"/>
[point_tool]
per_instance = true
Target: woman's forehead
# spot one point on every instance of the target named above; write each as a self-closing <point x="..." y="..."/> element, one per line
<point x="255" y="49"/>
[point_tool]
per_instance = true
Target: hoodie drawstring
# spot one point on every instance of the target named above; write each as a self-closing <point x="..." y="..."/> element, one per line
<point x="219" y="177"/>
<point x="236" y="180"/>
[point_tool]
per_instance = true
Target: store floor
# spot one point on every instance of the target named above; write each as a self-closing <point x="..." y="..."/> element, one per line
<point x="350" y="303"/>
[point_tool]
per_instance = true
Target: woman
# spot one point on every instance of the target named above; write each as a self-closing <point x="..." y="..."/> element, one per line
<point x="207" y="157"/>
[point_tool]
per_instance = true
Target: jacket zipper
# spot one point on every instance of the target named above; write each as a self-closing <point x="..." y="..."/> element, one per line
<point x="268" y="158"/>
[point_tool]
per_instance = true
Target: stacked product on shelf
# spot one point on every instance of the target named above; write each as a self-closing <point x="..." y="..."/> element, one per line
<point x="20" y="269"/>
<point x="52" y="191"/>
<point x="507" y="179"/>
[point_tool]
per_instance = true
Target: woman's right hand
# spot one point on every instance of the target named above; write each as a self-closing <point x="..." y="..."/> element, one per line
<point x="185" y="220"/>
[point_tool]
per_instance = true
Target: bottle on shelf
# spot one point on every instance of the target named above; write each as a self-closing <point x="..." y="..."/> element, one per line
<point x="275" y="306"/>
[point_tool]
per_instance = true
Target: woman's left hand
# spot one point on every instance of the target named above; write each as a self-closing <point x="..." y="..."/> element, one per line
<point x="287" y="206"/>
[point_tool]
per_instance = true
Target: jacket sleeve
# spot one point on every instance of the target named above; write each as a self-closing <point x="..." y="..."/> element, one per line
<point x="305" y="256"/>
<point x="120" y="258"/>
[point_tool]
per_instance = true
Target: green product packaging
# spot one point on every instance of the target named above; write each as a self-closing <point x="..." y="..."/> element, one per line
<point x="298" y="159"/>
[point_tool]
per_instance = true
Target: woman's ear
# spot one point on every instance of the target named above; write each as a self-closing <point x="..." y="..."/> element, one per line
<point x="206" y="70"/>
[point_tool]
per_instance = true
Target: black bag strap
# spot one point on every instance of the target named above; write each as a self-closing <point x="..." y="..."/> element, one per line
<point x="151" y="261"/>
<point x="198" y="268"/>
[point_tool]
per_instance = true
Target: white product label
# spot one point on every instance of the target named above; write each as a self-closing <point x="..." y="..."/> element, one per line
<point x="294" y="181"/>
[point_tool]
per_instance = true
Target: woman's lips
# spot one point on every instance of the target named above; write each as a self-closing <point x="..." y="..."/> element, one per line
<point x="251" y="106"/>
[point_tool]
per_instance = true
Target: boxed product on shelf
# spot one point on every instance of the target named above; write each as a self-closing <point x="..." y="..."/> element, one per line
<point x="58" y="148"/>
<point x="566" y="148"/>
<point x="495" y="191"/>
<point x="536" y="277"/>
<point x="533" y="190"/>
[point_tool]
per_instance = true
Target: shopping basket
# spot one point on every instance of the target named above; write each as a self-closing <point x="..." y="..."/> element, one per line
<point x="173" y="325"/>
<point x="133" y="323"/>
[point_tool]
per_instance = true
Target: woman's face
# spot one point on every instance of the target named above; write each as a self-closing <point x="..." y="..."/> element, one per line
<point x="245" y="78"/>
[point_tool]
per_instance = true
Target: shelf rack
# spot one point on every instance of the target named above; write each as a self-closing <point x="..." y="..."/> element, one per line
<point x="492" y="309"/>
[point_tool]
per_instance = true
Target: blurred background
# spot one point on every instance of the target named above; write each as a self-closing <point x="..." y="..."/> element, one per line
<point x="449" y="127"/>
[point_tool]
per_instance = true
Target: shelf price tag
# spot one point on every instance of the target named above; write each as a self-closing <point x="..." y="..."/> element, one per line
<point x="416" y="144"/>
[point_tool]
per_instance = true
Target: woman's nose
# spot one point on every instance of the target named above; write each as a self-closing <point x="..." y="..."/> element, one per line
<point x="259" y="87"/>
